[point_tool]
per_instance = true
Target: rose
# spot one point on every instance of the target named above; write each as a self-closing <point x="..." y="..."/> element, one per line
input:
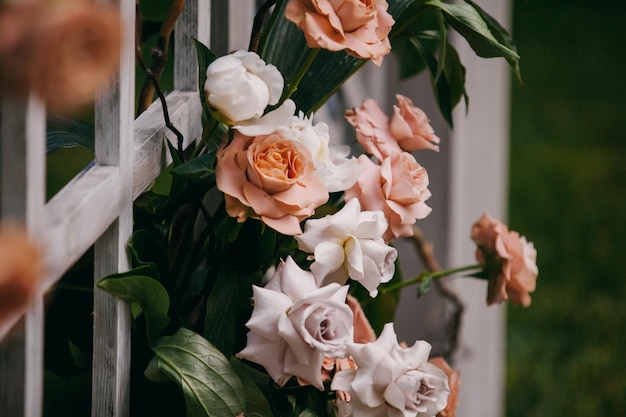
<point x="454" y="383"/>
<point x="241" y="85"/>
<point x="363" y="331"/>
<point x="391" y="380"/>
<point x="407" y="130"/>
<point x="271" y="178"/>
<point x="358" y="26"/>
<point x="509" y="260"/>
<point x="295" y="325"/>
<point x="397" y="187"/>
<point x="349" y="244"/>
<point x="332" y="164"/>
<point x="20" y="275"/>
<point x="411" y="127"/>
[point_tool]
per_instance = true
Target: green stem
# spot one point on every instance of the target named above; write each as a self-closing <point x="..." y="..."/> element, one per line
<point x="206" y="135"/>
<point x="293" y="85"/>
<point x="433" y="275"/>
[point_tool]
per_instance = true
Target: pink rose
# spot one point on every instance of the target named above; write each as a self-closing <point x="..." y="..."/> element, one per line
<point x="358" y="26"/>
<point x="411" y="127"/>
<point x="408" y="129"/>
<point x="270" y="178"/>
<point x="397" y="187"/>
<point x="509" y="259"/>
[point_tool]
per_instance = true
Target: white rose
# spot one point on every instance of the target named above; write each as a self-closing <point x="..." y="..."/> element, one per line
<point x="349" y="243"/>
<point x="391" y="380"/>
<point x="295" y="325"/>
<point x="241" y="85"/>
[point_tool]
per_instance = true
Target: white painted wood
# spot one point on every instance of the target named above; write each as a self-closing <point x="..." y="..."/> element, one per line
<point x="23" y="193"/>
<point x="240" y="17"/>
<point x="194" y="22"/>
<point x="114" y="138"/>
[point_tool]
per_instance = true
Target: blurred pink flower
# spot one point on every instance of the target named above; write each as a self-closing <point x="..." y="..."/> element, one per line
<point x="454" y="383"/>
<point x="358" y="26"/>
<point x="510" y="261"/>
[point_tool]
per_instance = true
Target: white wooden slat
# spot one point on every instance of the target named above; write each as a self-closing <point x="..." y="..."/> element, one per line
<point x="194" y="22"/>
<point x="150" y="153"/>
<point x="114" y="137"/>
<point x="23" y="193"/>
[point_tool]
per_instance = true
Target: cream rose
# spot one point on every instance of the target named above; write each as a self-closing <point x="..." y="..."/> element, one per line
<point x="509" y="259"/>
<point x="270" y="178"/>
<point x="349" y="243"/>
<point x="398" y="187"/>
<point x="241" y="85"/>
<point x="391" y="380"/>
<point x="295" y="325"/>
<point x="360" y="27"/>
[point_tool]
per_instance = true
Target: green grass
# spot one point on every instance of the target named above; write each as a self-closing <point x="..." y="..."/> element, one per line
<point x="568" y="195"/>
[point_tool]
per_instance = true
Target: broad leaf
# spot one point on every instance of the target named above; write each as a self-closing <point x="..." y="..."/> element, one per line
<point x="146" y="250"/>
<point x="205" y="57"/>
<point x="466" y="20"/>
<point x="202" y="166"/>
<point x="256" y="402"/>
<point x="210" y="385"/>
<point x="147" y="292"/>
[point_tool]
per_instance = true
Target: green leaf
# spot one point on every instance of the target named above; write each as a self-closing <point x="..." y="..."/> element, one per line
<point x="256" y="402"/>
<point x="424" y="287"/>
<point x="65" y="133"/>
<point x="146" y="250"/>
<point x="210" y="385"/>
<point x="202" y="166"/>
<point x="145" y="291"/>
<point x="466" y="20"/>
<point x="205" y="58"/>
<point x="502" y="35"/>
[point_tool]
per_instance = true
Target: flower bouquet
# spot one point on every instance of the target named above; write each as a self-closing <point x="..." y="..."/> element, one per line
<point x="261" y="254"/>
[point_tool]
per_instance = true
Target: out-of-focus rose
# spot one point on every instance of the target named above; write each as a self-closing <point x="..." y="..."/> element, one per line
<point x="241" y="85"/>
<point x="349" y="244"/>
<point x="363" y="331"/>
<point x="398" y="187"/>
<point x="509" y="260"/>
<point x="63" y="52"/>
<point x="270" y="178"/>
<point x="411" y="127"/>
<point x="391" y="380"/>
<point x="407" y="130"/>
<point x="21" y="272"/>
<point x="454" y="383"/>
<point x="360" y="27"/>
<point x="295" y="325"/>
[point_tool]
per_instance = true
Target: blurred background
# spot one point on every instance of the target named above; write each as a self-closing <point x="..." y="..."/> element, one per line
<point x="565" y="354"/>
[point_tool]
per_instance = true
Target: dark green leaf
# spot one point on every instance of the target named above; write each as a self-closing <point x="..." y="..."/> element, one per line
<point x="146" y="250"/>
<point x="210" y="385"/>
<point x="256" y="402"/>
<point x="466" y="20"/>
<point x="502" y="35"/>
<point x="205" y="57"/>
<point x="145" y="291"/>
<point x="199" y="167"/>
<point x="454" y="72"/>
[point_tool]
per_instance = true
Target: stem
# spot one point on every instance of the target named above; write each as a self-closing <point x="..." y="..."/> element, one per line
<point x="433" y="275"/>
<point x="293" y="85"/>
<point x="206" y="135"/>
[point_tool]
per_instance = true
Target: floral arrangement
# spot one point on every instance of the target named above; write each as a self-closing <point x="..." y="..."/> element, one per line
<point x="261" y="254"/>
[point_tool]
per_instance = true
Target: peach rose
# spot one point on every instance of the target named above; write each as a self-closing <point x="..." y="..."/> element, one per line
<point x="408" y="129"/>
<point x="360" y="27"/>
<point x="363" y="331"/>
<point x="397" y="187"/>
<point x="21" y="272"/>
<point x="510" y="261"/>
<point x="454" y="383"/>
<point x="270" y="178"/>
<point x="411" y="127"/>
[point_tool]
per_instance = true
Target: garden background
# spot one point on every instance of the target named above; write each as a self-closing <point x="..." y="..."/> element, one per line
<point x="565" y="354"/>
